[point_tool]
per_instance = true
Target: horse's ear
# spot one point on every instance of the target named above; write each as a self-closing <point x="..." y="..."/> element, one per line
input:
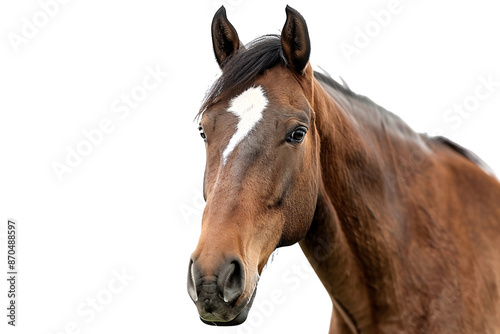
<point x="224" y="37"/>
<point x="295" y="40"/>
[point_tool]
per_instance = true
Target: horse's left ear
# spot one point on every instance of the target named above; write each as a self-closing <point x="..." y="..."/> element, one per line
<point x="295" y="40"/>
<point x="225" y="39"/>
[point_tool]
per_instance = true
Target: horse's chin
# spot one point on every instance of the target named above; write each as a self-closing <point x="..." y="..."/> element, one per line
<point x="238" y="320"/>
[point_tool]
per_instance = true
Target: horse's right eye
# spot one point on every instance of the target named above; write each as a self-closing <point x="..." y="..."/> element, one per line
<point x="202" y="133"/>
<point x="297" y="135"/>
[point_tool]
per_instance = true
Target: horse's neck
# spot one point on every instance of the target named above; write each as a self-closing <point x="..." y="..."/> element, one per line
<point x="355" y="165"/>
<point x="380" y="185"/>
<point x="329" y="253"/>
<point x="350" y="206"/>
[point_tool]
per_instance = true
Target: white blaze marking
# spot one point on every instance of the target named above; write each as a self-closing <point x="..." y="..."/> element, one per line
<point x="248" y="107"/>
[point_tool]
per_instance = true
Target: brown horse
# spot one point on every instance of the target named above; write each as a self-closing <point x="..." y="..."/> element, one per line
<point x="402" y="229"/>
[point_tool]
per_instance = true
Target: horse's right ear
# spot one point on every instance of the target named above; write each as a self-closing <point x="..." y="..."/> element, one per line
<point x="295" y="40"/>
<point x="224" y="37"/>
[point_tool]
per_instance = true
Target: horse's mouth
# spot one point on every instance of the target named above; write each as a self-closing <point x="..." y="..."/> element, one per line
<point x="238" y="320"/>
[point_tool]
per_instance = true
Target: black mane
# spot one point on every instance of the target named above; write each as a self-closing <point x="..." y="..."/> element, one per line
<point x="344" y="89"/>
<point x="247" y="63"/>
<point x="464" y="152"/>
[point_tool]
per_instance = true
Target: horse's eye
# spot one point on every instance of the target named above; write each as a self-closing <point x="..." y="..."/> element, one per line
<point x="297" y="135"/>
<point x="202" y="133"/>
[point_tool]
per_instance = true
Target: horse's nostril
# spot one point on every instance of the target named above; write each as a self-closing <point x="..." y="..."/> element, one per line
<point x="192" y="283"/>
<point x="221" y="288"/>
<point x="232" y="281"/>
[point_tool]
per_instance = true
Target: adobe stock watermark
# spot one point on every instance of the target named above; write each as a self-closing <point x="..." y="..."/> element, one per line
<point x="88" y="310"/>
<point x="33" y="24"/>
<point x="366" y="33"/>
<point x="452" y="119"/>
<point x="121" y="107"/>
<point x="291" y="280"/>
<point x="454" y="116"/>
<point x="192" y="212"/>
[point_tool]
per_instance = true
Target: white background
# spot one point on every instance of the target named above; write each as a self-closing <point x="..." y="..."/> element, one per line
<point x="133" y="203"/>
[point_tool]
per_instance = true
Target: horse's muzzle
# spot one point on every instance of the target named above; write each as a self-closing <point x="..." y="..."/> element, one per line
<point x="217" y="294"/>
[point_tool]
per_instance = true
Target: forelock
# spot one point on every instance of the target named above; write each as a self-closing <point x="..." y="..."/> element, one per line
<point x="243" y="67"/>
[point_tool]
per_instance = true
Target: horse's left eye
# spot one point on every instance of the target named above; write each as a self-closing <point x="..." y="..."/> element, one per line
<point x="202" y="133"/>
<point x="297" y="135"/>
